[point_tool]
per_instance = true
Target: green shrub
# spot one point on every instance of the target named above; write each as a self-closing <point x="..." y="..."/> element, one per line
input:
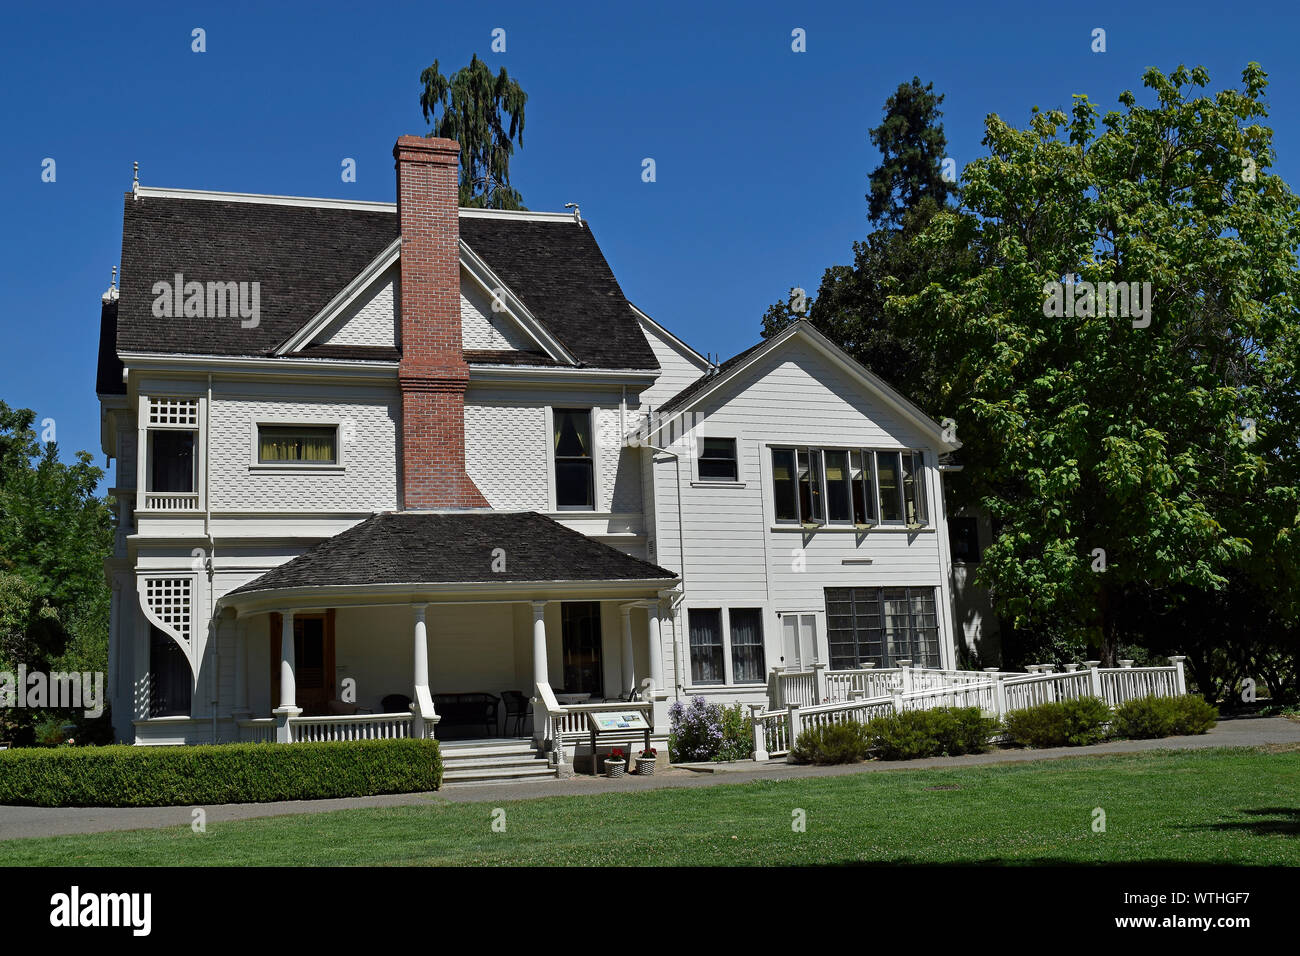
<point x="1070" y="723"/>
<point x="941" y="732"/>
<point x="831" y="743"/>
<point x="1148" y="717"/>
<point x="126" y="776"/>
<point x="737" y="735"/>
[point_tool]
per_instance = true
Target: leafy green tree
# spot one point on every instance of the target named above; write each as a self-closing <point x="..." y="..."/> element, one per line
<point x="485" y="114"/>
<point x="1125" y="458"/>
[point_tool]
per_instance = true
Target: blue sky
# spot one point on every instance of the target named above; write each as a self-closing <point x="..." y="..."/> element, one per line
<point x="761" y="153"/>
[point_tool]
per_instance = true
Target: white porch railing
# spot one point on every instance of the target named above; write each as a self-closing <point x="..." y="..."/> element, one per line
<point x="567" y="723"/>
<point x="351" y="727"/>
<point x="995" y="692"/>
<point x="171" y="501"/>
<point x="259" y="730"/>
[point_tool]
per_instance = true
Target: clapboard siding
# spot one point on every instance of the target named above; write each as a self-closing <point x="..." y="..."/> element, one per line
<point x="678" y="367"/>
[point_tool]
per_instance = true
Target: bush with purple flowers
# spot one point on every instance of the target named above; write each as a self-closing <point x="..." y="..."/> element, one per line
<point x="705" y="731"/>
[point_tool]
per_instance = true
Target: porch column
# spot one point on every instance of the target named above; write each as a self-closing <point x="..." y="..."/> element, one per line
<point x="420" y="670"/>
<point x="288" y="683"/>
<point x="629" y="670"/>
<point x="656" y="646"/>
<point x="539" y="643"/>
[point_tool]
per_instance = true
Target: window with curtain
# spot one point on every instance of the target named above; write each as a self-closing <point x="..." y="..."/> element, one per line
<point x="297" y="444"/>
<point x="706" y="645"/>
<point x="718" y="460"/>
<point x="171" y="460"/>
<point x="748" y="664"/>
<point x="575" y="468"/>
<point x="169" y="677"/>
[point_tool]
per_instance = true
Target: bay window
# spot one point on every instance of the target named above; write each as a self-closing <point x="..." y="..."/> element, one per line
<point x="849" y="487"/>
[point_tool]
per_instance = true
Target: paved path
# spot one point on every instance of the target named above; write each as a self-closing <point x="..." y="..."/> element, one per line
<point x="19" y="822"/>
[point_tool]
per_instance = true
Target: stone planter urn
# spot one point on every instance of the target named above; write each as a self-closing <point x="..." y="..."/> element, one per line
<point x="615" y="766"/>
<point x="645" y="766"/>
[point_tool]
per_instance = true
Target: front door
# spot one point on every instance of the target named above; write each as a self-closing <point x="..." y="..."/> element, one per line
<point x="580" y="634"/>
<point x="799" y="633"/>
<point x="313" y="656"/>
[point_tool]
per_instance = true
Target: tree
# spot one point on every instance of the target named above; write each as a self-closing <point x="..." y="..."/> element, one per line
<point x="907" y="189"/>
<point x="473" y="108"/>
<point x="1127" y="458"/>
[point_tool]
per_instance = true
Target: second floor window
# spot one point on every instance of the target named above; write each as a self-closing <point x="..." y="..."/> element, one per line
<point x="853" y="486"/>
<point x="294" y="444"/>
<point x="171" y="461"/>
<point x="575" y="468"/>
<point x="718" y="460"/>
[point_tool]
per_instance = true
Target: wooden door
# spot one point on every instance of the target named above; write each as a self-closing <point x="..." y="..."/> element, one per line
<point x="313" y="654"/>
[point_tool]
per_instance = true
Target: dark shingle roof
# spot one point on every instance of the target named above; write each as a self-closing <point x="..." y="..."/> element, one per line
<point x="697" y="386"/>
<point x="108" y="371"/>
<point x="559" y="272"/>
<point x="409" y="547"/>
<point x="303" y="256"/>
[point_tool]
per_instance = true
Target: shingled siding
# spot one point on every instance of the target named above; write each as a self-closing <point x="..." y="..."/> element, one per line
<point x="371" y="320"/>
<point x="483" y="329"/>
<point x="505" y="454"/>
<point x="366" y="482"/>
<point x="618" y="485"/>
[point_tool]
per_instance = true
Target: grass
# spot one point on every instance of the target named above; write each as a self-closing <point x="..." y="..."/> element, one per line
<point x="1221" y="806"/>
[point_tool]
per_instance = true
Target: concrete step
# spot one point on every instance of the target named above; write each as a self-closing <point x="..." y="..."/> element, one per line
<point x="497" y="774"/>
<point x="450" y="754"/>
<point x="529" y="759"/>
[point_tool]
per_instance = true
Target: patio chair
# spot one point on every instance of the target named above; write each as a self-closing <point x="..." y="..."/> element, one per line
<point x="516" y="710"/>
<point x="396" y="704"/>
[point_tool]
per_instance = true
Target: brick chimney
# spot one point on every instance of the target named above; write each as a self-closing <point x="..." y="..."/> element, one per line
<point x="432" y="373"/>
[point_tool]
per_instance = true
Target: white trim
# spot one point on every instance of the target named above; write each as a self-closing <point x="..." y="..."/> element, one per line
<point x="545" y="375"/>
<point x="305" y="368"/>
<point x="490" y="282"/>
<point x="294" y="467"/>
<point x="144" y="192"/>
<point x="373" y="271"/>
<point x="525" y="214"/>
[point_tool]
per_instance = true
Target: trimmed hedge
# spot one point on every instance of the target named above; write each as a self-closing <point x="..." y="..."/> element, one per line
<point x="1068" y="723"/>
<point x="1148" y="717"/>
<point x="126" y="776"/>
<point x="941" y="732"/>
<point x="830" y="744"/>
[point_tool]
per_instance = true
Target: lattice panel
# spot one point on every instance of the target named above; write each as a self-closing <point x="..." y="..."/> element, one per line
<point x="169" y="601"/>
<point x="175" y="412"/>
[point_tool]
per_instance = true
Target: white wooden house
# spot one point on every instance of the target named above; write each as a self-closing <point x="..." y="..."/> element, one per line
<point x="371" y="458"/>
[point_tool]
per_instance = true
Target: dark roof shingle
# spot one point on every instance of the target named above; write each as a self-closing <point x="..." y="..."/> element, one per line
<point x="411" y="547"/>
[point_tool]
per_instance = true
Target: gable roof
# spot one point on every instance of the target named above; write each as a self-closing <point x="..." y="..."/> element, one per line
<point x="304" y="253"/>
<point x="710" y="382"/>
<point x="422" y="547"/>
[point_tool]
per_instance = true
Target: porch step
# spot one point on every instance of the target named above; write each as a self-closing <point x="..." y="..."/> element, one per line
<point x="485" y="774"/>
<point x="492" y="761"/>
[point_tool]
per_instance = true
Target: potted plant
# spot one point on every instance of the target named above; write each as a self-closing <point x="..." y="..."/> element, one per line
<point x="645" y="762"/>
<point x="615" y="763"/>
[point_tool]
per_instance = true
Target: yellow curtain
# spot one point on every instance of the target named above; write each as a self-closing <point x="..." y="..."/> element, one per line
<point x="282" y="444"/>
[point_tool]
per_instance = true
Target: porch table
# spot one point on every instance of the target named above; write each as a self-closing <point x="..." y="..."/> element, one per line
<point x="573" y="698"/>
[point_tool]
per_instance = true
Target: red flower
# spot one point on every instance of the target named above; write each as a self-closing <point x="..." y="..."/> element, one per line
<point x="616" y="754"/>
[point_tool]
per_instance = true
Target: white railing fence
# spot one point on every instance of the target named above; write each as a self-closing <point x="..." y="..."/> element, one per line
<point x="906" y="688"/>
<point x="352" y="727"/>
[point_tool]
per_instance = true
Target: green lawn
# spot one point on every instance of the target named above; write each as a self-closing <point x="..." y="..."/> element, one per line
<point x="1213" y="806"/>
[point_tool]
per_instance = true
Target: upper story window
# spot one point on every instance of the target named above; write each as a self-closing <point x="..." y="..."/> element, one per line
<point x="171" y="461"/>
<point x="575" y="466"/>
<point x="297" y="444"/>
<point x="171" y="440"/>
<point x="717" y="460"/>
<point x="849" y="486"/>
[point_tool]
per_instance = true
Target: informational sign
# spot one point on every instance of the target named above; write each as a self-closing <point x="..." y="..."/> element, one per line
<point x="618" y="720"/>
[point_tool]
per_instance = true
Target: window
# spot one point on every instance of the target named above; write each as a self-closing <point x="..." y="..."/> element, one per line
<point x="575" y="468"/>
<point x="784" y="493"/>
<point x="580" y="641"/>
<point x="706" y="645"/>
<point x="748" y="664"/>
<point x="963" y="536"/>
<point x="718" y="460"/>
<point x="169" y="677"/>
<point x="814" y="486"/>
<point x="171" y="461"/>
<point x="297" y="444"/>
<point x="881" y="626"/>
<point x="914" y="489"/>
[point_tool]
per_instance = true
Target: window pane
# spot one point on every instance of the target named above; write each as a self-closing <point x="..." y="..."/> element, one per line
<point x="747" y="661"/>
<point x="573" y="484"/>
<point x="810" y="485"/>
<point x="783" y="485"/>
<point x="706" y="645"/>
<point x="914" y="488"/>
<point x="289" y="443"/>
<point x="887" y="468"/>
<point x="718" y="459"/>
<point x="572" y="433"/>
<point x="963" y="536"/>
<point x="172" y="467"/>
<point x="169" y="677"/>
<point x="864" y="488"/>
<point x="839" y="504"/>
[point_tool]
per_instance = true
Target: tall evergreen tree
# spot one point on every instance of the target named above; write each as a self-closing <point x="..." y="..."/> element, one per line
<point x="912" y="142"/>
<point x="485" y="114"/>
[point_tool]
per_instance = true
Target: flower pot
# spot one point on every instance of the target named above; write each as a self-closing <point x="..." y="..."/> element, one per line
<point x="645" y="766"/>
<point x="615" y="768"/>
